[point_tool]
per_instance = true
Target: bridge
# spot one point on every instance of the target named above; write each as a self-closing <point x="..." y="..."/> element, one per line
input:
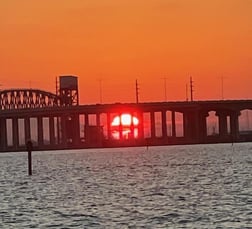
<point x="57" y="121"/>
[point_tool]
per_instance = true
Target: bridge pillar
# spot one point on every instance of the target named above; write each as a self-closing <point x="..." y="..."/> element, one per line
<point x="15" y="132"/>
<point x="152" y="124"/>
<point x="86" y="128"/>
<point x="234" y="125"/>
<point x="194" y="126"/>
<point x="109" y="126"/>
<point x="40" y="131"/>
<point x="120" y="126"/>
<point x="63" y="136"/>
<point x="164" y="125"/>
<point x="98" y="120"/>
<point x="173" y="120"/>
<point x="202" y="128"/>
<point x="140" y="126"/>
<point x="3" y="133"/>
<point x="99" y="133"/>
<point x="223" y="130"/>
<point x="27" y="129"/>
<point x="58" y="124"/>
<point x="76" y="129"/>
<point x="86" y="120"/>
<point x="132" y="127"/>
<point x="51" y="130"/>
<point x="72" y="129"/>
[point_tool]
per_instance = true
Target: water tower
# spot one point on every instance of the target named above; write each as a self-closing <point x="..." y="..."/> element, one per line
<point x="69" y="96"/>
<point x="68" y="91"/>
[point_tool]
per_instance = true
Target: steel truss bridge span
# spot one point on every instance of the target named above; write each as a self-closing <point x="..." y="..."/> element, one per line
<point x="12" y="99"/>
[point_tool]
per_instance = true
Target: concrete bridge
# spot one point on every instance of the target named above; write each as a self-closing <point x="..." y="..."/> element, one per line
<point x="57" y="121"/>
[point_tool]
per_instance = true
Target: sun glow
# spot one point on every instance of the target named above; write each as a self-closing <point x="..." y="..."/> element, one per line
<point x="125" y="120"/>
<point x="128" y="125"/>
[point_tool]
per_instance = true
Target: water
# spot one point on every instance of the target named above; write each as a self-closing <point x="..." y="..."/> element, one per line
<point x="201" y="186"/>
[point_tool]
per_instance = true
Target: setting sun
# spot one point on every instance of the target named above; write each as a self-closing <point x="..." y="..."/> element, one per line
<point x="127" y="121"/>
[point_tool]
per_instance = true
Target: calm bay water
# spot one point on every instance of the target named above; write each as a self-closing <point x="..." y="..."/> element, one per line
<point x="200" y="186"/>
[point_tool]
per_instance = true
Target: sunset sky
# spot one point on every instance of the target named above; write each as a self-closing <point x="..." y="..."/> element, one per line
<point x="121" y="41"/>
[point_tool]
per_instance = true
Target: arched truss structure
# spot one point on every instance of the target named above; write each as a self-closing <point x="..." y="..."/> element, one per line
<point x="27" y="98"/>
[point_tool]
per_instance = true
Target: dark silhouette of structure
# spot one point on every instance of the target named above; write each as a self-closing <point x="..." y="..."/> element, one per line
<point x="191" y="88"/>
<point x="29" y="148"/>
<point x="137" y="92"/>
<point x="66" y="124"/>
<point x="68" y="91"/>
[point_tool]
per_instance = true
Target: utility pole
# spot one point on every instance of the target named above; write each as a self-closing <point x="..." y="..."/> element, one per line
<point x="56" y="85"/>
<point x="186" y="92"/>
<point x="222" y="86"/>
<point x="137" y="92"/>
<point x="191" y="88"/>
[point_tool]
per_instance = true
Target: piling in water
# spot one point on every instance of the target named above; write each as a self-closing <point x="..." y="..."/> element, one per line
<point x="29" y="150"/>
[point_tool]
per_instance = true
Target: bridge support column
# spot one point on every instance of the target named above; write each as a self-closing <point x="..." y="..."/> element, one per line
<point x="51" y="131"/>
<point x="132" y="127"/>
<point x="140" y="126"/>
<point x="194" y="126"/>
<point x="86" y="128"/>
<point x="40" y="131"/>
<point x="234" y="125"/>
<point x="74" y="126"/>
<point x="120" y="126"/>
<point x="164" y="125"/>
<point x="202" y="131"/>
<point x="3" y="134"/>
<point x="152" y="124"/>
<point x="223" y="130"/>
<point x="173" y="120"/>
<point x="63" y="135"/>
<point x="58" y="133"/>
<point x="100" y="134"/>
<point x="15" y="132"/>
<point x="109" y="126"/>
<point x="27" y="129"/>
<point x="98" y="120"/>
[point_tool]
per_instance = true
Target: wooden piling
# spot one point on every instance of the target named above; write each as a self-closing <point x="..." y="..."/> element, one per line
<point x="29" y="150"/>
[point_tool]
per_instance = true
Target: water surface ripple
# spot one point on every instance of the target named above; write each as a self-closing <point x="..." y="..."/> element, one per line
<point x="200" y="186"/>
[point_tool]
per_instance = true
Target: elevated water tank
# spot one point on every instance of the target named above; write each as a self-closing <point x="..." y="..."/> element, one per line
<point x="68" y="90"/>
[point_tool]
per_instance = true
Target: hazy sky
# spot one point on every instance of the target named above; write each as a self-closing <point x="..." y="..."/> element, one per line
<point x="120" y="41"/>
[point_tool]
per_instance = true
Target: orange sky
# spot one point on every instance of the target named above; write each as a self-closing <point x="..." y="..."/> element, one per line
<point x="120" y="41"/>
